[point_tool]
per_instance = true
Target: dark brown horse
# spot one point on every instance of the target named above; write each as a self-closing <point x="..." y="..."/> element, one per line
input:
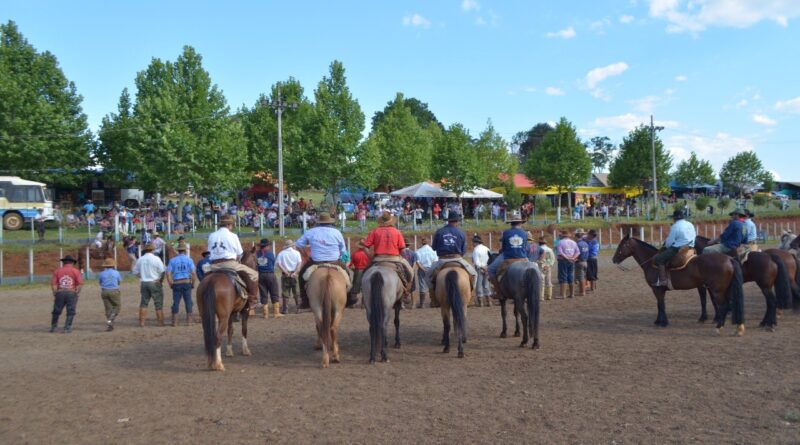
<point x="95" y="253"/>
<point x="792" y="264"/>
<point x="217" y="302"/>
<point x="767" y="272"/>
<point x="720" y="274"/>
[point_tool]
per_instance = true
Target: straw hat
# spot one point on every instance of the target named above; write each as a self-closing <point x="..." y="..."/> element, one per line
<point x="386" y="219"/>
<point x="226" y="219"/>
<point x="325" y="218"/>
<point x="148" y="247"/>
<point x="579" y="233"/>
<point x="288" y="243"/>
<point x="515" y="217"/>
<point x="109" y="262"/>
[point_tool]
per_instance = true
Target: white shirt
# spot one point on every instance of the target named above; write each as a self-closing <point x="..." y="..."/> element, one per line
<point x="682" y="233"/>
<point x="288" y="259"/>
<point x="480" y="256"/>
<point x="547" y="257"/>
<point x="149" y="267"/>
<point x="224" y="245"/>
<point x="426" y="256"/>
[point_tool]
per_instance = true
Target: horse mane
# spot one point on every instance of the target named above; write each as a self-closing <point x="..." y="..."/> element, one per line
<point x="702" y="238"/>
<point x="645" y="244"/>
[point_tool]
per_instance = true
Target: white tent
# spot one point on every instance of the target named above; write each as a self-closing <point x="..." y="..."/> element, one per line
<point x="424" y="189"/>
<point x="481" y="193"/>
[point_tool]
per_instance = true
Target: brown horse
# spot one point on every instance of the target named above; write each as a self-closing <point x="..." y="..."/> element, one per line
<point x="453" y="292"/>
<point x="792" y="264"/>
<point x="766" y="271"/>
<point x="720" y="274"/>
<point x="327" y="296"/>
<point x="217" y="302"/>
<point x="106" y="251"/>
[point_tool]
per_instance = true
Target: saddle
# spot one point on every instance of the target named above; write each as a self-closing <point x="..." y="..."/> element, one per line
<point x="312" y="268"/>
<point x="450" y="263"/>
<point x="682" y="258"/>
<point x="405" y="279"/>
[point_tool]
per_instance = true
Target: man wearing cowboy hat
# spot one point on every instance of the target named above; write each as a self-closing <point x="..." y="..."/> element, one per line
<point x="181" y="278"/>
<point x="326" y="245"/>
<point x="480" y="259"/>
<point x="226" y="251"/>
<point x="514" y="247"/>
<point x="66" y="285"/>
<point x="450" y="244"/>
<point x="387" y="242"/>
<point x="752" y="231"/>
<point x="109" y="280"/>
<point x="267" y="283"/>
<point x="289" y="262"/>
<point x="568" y="253"/>
<point x="734" y="236"/>
<point x="150" y="271"/>
<point x="682" y="233"/>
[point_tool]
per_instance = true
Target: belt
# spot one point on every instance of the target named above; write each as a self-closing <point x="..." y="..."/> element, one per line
<point x="452" y="255"/>
<point x="183" y="281"/>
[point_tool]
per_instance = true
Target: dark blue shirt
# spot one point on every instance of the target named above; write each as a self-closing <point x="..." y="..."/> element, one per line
<point x="449" y="240"/>
<point x="734" y="235"/>
<point x="515" y="243"/>
<point x="265" y="261"/>
<point x="583" y="247"/>
<point x="200" y="272"/>
<point x="594" y="248"/>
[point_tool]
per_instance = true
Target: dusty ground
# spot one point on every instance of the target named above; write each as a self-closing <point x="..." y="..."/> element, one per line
<point x="604" y="375"/>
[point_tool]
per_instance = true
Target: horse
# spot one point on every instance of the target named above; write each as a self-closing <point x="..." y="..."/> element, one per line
<point x="766" y="271"/>
<point x="327" y="295"/>
<point x="792" y="265"/>
<point x="453" y="292"/>
<point x="217" y="301"/>
<point x="105" y="251"/>
<point x="720" y="274"/>
<point x="382" y="291"/>
<point x="789" y="241"/>
<point x="522" y="282"/>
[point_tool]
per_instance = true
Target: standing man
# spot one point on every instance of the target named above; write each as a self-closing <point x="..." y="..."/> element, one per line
<point x="425" y="259"/>
<point x="734" y="236"/>
<point x="66" y="285"/>
<point x="289" y="262"/>
<point x="158" y="245"/>
<point x="682" y="233"/>
<point x="203" y="266"/>
<point x="583" y="262"/>
<point x="450" y="244"/>
<point x="267" y="284"/>
<point x="752" y="231"/>
<point x="181" y="277"/>
<point x="358" y="263"/>
<point x="568" y="253"/>
<point x="326" y="245"/>
<point x="109" y="280"/>
<point x="39" y="220"/>
<point x="150" y="271"/>
<point x="591" y="263"/>
<point x="480" y="259"/>
<point x="546" y="261"/>
<point x="226" y="251"/>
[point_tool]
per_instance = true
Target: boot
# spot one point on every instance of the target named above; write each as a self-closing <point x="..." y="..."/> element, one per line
<point x="189" y="319"/>
<point x="174" y="320"/>
<point x="421" y="302"/>
<point x="160" y="317"/>
<point x="54" y="323"/>
<point x="68" y="324"/>
<point x="488" y="301"/>
<point x="662" y="275"/>
<point x="142" y="315"/>
<point x="110" y="321"/>
<point x="581" y="288"/>
<point x="285" y="305"/>
<point x="548" y="293"/>
<point x="276" y="310"/>
<point x="571" y="291"/>
<point x="265" y="310"/>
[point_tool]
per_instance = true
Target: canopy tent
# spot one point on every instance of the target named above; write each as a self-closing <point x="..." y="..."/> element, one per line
<point x="481" y="193"/>
<point x="424" y="189"/>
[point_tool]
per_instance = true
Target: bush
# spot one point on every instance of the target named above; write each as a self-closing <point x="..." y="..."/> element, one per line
<point x="760" y="200"/>
<point x="701" y="203"/>
<point x="724" y="203"/>
<point x="513" y="199"/>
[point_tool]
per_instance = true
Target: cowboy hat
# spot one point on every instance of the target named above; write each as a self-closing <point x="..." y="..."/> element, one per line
<point x="264" y="242"/>
<point x="477" y="239"/>
<point x="148" y="247"/>
<point x="737" y="212"/>
<point x="386" y="219"/>
<point x="227" y="219"/>
<point x="325" y="218"/>
<point x="68" y="259"/>
<point x="542" y="240"/>
<point x="579" y="232"/>
<point x="181" y="247"/>
<point x="515" y="217"/>
<point x="109" y="262"/>
<point x="288" y="243"/>
<point x="749" y="213"/>
<point x="453" y="217"/>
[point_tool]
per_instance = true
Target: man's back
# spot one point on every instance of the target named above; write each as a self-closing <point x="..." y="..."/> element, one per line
<point x="223" y="244"/>
<point x="326" y="243"/>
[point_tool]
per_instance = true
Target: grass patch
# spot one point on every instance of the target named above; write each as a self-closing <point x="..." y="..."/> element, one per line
<point x="791" y="415"/>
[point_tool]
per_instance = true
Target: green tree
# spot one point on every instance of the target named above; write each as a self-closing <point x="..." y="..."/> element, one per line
<point x="418" y="109"/>
<point x="694" y="171"/>
<point x="602" y="152"/>
<point x="701" y="203"/>
<point x="723" y="204"/>
<point x="336" y="133"/>
<point x="43" y="131"/>
<point x="760" y="200"/>
<point x="561" y="162"/>
<point x="743" y="172"/>
<point x="542" y="205"/>
<point x="455" y="160"/>
<point x="633" y="166"/>
<point x="526" y="142"/>
<point x="178" y="135"/>
<point x="495" y="159"/>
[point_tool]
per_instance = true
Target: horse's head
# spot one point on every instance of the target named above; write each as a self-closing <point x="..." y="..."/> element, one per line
<point x="787" y="239"/>
<point x="624" y="250"/>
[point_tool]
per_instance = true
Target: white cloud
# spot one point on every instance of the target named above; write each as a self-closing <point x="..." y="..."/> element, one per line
<point x="626" y="19"/>
<point x="530" y="89"/>
<point x="470" y="5"/>
<point x="716" y="149"/>
<point x="416" y="20"/>
<point x="553" y="91"/>
<point x="628" y="122"/>
<point x="600" y="25"/>
<point x="742" y="103"/>
<point x="670" y="91"/>
<point x="775" y="175"/>
<point x="763" y="119"/>
<point x="697" y="15"/>
<point x="566" y="33"/>
<point x="681" y="78"/>
<point x="597" y="75"/>
<point x="789" y="106"/>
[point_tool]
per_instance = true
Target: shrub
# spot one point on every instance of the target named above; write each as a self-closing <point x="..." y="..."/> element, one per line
<point x="724" y="203"/>
<point x="701" y="203"/>
<point x="760" y="200"/>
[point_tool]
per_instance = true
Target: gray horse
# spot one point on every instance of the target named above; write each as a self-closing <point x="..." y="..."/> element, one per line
<point x="381" y="290"/>
<point x="523" y="283"/>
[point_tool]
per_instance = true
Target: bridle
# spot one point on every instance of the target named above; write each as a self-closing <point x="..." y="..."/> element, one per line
<point x="627" y="269"/>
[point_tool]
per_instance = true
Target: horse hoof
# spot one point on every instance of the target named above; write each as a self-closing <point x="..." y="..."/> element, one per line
<point x="446" y="351"/>
<point x="325" y="366"/>
<point x="516" y="334"/>
<point x="740" y="330"/>
<point x="718" y="331"/>
<point x="702" y="319"/>
<point x="503" y="335"/>
<point x="371" y="361"/>
<point x="336" y="360"/>
<point x="535" y="345"/>
<point x="246" y="353"/>
<point x="229" y="353"/>
<point x="384" y="360"/>
<point x="763" y="324"/>
<point x="461" y="355"/>
<point x="770" y="329"/>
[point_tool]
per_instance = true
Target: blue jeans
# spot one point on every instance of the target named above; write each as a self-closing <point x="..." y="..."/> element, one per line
<point x="566" y="271"/>
<point x="494" y="265"/>
<point x="181" y="291"/>
<point x="66" y="298"/>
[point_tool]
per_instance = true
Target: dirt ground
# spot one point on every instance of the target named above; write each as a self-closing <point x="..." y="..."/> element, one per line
<point x="604" y="375"/>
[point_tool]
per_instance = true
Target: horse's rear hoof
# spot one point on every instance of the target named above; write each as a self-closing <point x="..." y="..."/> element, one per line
<point x="718" y="331"/>
<point x="516" y="334"/>
<point x="384" y="360"/>
<point x="371" y="361"/>
<point x="461" y="355"/>
<point x="535" y="344"/>
<point x="503" y="335"/>
<point x="770" y="328"/>
<point x="702" y="319"/>
<point x="523" y="344"/>
<point x="740" y="330"/>
<point x="446" y="350"/>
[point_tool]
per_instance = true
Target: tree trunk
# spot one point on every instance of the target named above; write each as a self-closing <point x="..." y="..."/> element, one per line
<point x="558" y="208"/>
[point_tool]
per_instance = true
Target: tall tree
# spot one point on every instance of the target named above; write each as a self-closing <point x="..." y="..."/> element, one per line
<point x="633" y="166"/>
<point x="336" y="130"/>
<point x="399" y="139"/>
<point x="494" y="158"/>
<point x="602" y="152"/>
<point x="560" y="162"/>
<point x="419" y="110"/>
<point x="43" y="131"/>
<point x="693" y="171"/>
<point x="179" y="134"/>
<point x="743" y="172"/>
<point x="526" y="142"/>
<point x="455" y="160"/>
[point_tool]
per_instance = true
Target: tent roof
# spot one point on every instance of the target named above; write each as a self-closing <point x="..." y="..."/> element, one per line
<point x="481" y="193"/>
<point x="424" y="189"/>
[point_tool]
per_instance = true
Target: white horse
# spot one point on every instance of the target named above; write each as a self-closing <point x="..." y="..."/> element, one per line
<point x="382" y="292"/>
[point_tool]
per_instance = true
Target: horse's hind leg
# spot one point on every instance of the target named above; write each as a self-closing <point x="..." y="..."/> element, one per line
<point x="516" y="321"/>
<point x="229" y="346"/>
<point x="446" y="332"/>
<point x="522" y="314"/>
<point x="335" y="336"/>
<point x="503" y="314"/>
<point x="770" y="317"/>
<point x="397" y="325"/>
<point x="701" y="291"/>
<point x="245" y="349"/>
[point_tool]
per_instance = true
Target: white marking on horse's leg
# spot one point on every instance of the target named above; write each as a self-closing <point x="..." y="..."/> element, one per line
<point x="245" y="349"/>
<point x="229" y="350"/>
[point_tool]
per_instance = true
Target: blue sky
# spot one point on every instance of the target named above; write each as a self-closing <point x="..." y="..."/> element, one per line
<point x="720" y="75"/>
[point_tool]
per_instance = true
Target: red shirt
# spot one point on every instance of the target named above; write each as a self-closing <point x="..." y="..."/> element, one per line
<point x="387" y="241"/>
<point x="359" y="260"/>
<point x="66" y="278"/>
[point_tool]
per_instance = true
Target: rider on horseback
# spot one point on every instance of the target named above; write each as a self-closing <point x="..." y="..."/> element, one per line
<point x="327" y="246"/>
<point x="226" y="250"/>
<point x="514" y="248"/>
<point x="682" y="233"/>
<point x="734" y="236"/>
<point x="450" y="245"/>
<point x="387" y="242"/>
<point x="752" y="231"/>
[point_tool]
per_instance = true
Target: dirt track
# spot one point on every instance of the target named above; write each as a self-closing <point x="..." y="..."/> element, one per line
<point x="604" y="375"/>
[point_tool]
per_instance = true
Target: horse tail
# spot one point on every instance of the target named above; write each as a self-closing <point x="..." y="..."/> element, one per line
<point x="736" y="293"/>
<point x="327" y="310"/>
<point x="209" y="319"/>
<point x="455" y="299"/>
<point x="782" y="283"/>
<point x="796" y="288"/>
<point x="532" y="291"/>
<point x="376" y="307"/>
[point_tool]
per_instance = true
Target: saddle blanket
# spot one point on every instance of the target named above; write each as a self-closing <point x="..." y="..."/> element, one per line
<point x="236" y="280"/>
<point x="406" y="280"/>
<point x="314" y="267"/>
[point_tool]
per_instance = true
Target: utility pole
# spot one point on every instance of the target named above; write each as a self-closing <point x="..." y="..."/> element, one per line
<point x="279" y="105"/>
<point x="653" y="130"/>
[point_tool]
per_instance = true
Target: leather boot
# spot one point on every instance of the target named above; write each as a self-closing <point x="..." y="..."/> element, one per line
<point x="488" y="301"/>
<point x="265" y="310"/>
<point x="160" y="317"/>
<point x="189" y="319"/>
<point x="421" y="302"/>
<point x="68" y="324"/>
<point x="352" y="298"/>
<point x="142" y="315"/>
<point x="662" y="275"/>
<point x="276" y="310"/>
<point x="174" y="320"/>
<point x="54" y="323"/>
<point x="285" y="305"/>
